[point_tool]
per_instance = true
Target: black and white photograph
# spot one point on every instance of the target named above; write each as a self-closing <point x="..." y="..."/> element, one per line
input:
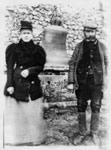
<point x="55" y="74"/>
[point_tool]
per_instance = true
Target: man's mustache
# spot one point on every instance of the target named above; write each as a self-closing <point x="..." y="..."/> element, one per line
<point x="90" y="38"/>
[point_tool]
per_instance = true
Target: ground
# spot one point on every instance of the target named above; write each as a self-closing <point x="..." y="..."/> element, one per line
<point x="63" y="125"/>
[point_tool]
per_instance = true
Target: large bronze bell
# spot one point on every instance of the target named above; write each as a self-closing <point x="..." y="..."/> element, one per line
<point x="54" y="43"/>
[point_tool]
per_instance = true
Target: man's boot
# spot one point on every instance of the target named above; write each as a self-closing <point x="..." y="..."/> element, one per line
<point x="94" y="126"/>
<point x="82" y="128"/>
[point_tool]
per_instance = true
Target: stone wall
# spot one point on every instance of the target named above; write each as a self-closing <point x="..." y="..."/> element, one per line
<point x="40" y="16"/>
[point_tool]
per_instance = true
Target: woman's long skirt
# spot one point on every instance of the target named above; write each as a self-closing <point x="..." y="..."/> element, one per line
<point x="23" y="122"/>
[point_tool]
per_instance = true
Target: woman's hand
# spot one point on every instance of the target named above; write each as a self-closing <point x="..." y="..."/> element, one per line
<point x="25" y="73"/>
<point x="10" y="90"/>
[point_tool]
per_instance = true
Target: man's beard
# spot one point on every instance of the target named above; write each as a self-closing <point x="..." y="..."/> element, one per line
<point x="91" y="39"/>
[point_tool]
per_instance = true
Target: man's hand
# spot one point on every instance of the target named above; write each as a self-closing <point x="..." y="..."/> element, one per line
<point x="10" y="90"/>
<point x="70" y="86"/>
<point x="25" y="73"/>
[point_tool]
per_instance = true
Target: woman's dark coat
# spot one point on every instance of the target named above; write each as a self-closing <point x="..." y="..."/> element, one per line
<point x="22" y="56"/>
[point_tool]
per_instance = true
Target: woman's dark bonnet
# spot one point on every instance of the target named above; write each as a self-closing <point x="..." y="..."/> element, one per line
<point x="26" y="25"/>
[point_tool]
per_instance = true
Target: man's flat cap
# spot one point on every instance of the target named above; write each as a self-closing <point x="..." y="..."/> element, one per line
<point x="90" y="24"/>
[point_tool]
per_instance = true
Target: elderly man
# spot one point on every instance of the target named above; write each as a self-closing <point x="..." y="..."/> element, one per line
<point x="87" y="69"/>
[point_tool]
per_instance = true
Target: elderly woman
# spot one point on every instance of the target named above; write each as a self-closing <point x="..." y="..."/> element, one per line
<point x="23" y="120"/>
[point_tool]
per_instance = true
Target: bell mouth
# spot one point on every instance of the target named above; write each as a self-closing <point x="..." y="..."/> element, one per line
<point x="57" y="63"/>
<point x="57" y="67"/>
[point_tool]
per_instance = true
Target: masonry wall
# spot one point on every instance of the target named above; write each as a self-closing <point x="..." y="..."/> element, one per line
<point x="40" y="16"/>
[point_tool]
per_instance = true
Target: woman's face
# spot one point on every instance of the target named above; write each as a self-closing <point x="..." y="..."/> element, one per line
<point x="26" y="35"/>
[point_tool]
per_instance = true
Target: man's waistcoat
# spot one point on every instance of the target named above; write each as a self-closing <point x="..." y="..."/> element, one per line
<point x="90" y="63"/>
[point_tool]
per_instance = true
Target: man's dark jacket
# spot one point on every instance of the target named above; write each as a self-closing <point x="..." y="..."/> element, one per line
<point x="99" y="72"/>
<point x="22" y="56"/>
